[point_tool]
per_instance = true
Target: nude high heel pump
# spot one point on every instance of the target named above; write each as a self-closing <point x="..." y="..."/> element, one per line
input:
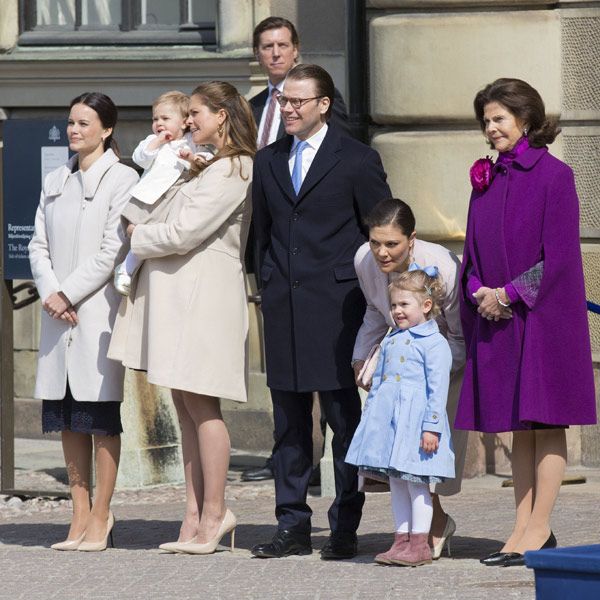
<point x="69" y="544"/>
<point x="449" y="530"/>
<point x="102" y="544"/>
<point x="228" y="524"/>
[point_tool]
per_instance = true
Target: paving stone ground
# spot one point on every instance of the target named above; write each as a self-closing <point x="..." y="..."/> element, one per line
<point x="136" y="570"/>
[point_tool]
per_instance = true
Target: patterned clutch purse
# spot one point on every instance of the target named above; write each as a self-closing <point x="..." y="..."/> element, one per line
<point x="365" y="375"/>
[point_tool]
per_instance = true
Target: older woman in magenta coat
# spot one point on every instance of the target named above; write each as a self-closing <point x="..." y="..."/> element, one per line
<point x="529" y="367"/>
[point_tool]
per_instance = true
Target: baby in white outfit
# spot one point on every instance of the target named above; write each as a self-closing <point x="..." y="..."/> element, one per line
<point x="160" y="155"/>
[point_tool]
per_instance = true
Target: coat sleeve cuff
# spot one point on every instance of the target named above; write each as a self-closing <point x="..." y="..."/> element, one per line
<point x="433" y="422"/>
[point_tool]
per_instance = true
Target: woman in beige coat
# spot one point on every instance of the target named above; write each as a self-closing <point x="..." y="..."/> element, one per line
<point x="392" y="246"/>
<point x="186" y="320"/>
<point x="72" y="254"/>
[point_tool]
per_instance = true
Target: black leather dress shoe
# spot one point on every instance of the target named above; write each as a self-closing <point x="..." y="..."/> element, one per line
<point x="494" y="560"/>
<point x="284" y="543"/>
<point x="259" y="473"/>
<point x="340" y="546"/>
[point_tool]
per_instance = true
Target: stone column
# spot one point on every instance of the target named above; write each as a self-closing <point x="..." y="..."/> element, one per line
<point x="235" y="25"/>
<point x="9" y="24"/>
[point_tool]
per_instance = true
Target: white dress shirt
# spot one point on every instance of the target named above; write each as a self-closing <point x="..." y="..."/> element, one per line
<point x="308" y="154"/>
<point x="276" y="115"/>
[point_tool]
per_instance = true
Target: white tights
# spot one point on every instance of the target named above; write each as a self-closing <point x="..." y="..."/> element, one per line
<point x="411" y="505"/>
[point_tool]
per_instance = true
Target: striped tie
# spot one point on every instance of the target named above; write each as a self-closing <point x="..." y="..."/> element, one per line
<point x="264" y="139"/>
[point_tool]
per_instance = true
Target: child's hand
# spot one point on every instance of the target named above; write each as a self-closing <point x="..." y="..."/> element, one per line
<point x="164" y="136"/>
<point x="161" y="138"/>
<point x="430" y="442"/>
<point x="195" y="160"/>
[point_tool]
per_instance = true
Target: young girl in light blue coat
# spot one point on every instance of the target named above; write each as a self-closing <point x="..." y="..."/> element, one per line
<point x="404" y="435"/>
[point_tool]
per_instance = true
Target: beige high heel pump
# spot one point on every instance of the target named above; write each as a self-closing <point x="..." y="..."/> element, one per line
<point x="102" y="544"/>
<point x="69" y="544"/>
<point x="228" y="525"/>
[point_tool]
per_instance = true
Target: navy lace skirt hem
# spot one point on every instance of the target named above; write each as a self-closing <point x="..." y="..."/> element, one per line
<point x="93" y="418"/>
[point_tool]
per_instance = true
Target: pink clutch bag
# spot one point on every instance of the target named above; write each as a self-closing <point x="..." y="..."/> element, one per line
<point x="365" y="375"/>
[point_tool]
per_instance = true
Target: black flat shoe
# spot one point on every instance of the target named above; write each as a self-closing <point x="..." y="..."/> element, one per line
<point x="550" y="542"/>
<point x="513" y="559"/>
<point x="340" y="546"/>
<point x="494" y="560"/>
<point x="284" y="543"/>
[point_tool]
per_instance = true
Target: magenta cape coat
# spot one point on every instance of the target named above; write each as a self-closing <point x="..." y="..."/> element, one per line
<point x="537" y="366"/>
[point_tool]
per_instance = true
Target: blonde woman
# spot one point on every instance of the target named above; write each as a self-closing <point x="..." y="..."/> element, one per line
<point x="185" y="321"/>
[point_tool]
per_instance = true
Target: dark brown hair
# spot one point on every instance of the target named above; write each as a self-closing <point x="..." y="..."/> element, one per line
<point x="323" y="82"/>
<point x="106" y="111"/>
<point x="523" y="102"/>
<point x="274" y="23"/>
<point x="392" y="211"/>
<point x="239" y="127"/>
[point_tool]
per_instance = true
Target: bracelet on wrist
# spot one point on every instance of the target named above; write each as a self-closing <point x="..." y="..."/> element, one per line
<point x="497" y="294"/>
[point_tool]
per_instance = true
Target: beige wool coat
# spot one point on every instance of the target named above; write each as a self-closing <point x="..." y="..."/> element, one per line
<point x="73" y="250"/>
<point x="186" y="319"/>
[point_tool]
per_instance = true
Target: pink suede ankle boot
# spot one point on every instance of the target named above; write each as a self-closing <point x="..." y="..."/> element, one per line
<point x="400" y="541"/>
<point x="416" y="553"/>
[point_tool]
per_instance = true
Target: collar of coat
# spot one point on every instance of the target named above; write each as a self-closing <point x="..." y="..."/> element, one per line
<point x="422" y="330"/>
<point x="530" y="157"/>
<point x="56" y="180"/>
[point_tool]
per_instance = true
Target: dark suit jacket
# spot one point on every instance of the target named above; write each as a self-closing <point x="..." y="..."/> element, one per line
<point x="339" y="113"/>
<point x="311" y="301"/>
<point x="339" y="116"/>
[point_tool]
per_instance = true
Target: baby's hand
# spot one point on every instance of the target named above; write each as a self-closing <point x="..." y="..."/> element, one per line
<point x="164" y="136"/>
<point x="194" y="159"/>
<point x="430" y="442"/>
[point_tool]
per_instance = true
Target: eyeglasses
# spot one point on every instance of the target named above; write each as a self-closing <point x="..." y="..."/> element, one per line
<point x="295" y="102"/>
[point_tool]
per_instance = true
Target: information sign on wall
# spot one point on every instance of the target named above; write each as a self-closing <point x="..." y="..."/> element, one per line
<point x="32" y="148"/>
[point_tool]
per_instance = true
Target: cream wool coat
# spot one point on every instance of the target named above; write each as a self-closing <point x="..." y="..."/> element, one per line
<point x="186" y="319"/>
<point x="73" y="250"/>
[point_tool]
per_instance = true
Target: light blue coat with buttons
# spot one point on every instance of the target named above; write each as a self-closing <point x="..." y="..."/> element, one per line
<point x="408" y="396"/>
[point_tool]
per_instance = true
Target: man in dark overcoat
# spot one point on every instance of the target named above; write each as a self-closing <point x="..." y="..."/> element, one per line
<point x="276" y="46"/>
<point x="311" y="190"/>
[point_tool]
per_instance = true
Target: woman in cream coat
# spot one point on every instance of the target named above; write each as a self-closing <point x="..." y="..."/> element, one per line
<point x="72" y="254"/>
<point x="392" y="246"/>
<point x="186" y="319"/>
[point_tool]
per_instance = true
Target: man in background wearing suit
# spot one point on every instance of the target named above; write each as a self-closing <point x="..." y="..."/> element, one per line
<point x="310" y="191"/>
<point x="276" y="47"/>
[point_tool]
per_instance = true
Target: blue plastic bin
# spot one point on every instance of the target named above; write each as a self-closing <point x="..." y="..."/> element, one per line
<point x="566" y="573"/>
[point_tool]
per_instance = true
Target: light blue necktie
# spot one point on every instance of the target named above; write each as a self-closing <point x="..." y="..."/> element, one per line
<point x="297" y="171"/>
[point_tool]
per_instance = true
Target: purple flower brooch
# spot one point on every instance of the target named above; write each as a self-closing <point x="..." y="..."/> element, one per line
<point x="481" y="174"/>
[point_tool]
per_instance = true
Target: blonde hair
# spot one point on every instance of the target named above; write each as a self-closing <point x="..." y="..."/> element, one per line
<point x="177" y="99"/>
<point x="418" y="282"/>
